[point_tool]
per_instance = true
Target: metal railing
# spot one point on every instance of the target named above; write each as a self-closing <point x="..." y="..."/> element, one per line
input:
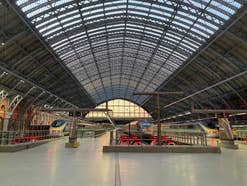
<point x="16" y="137"/>
<point x="241" y="135"/>
<point x="81" y="133"/>
<point x="167" y="138"/>
<point x="191" y="138"/>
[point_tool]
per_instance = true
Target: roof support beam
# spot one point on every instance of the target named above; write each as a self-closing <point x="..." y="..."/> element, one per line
<point x="166" y="26"/>
<point x="12" y="4"/>
<point x="107" y="44"/>
<point x="181" y="40"/>
<point x="34" y="84"/>
<point x="214" y="111"/>
<point x="90" y="45"/>
<point x="230" y="23"/>
<point x="205" y="89"/>
<point x="124" y="40"/>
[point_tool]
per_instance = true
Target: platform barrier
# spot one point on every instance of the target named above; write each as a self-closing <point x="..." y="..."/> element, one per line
<point x="167" y="138"/>
<point x="82" y="133"/>
<point x="171" y="142"/>
<point x="27" y="136"/>
<point x="241" y="136"/>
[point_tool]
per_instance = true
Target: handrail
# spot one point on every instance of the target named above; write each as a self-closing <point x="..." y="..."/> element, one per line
<point x="176" y="138"/>
<point x="16" y="137"/>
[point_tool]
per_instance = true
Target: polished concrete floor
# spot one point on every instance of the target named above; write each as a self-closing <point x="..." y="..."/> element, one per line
<point x="53" y="165"/>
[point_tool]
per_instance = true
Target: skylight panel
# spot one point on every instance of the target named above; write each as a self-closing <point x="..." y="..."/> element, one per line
<point x="20" y="2"/>
<point x="61" y="2"/>
<point x="138" y="12"/>
<point x="52" y="31"/>
<point x="33" y="13"/>
<point x="72" y="23"/>
<point x="188" y="15"/>
<point x="70" y="18"/>
<point x="34" y="5"/>
<point x="216" y="12"/>
<point x="208" y="24"/>
<point x="99" y="36"/>
<point x="42" y="24"/>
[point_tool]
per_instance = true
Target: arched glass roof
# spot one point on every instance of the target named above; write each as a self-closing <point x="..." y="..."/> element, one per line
<point x="117" y="47"/>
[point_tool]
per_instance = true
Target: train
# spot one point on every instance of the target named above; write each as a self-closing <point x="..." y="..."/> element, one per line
<point x="146" y="128"/>
<point x="191" y="127"/>
<point x="62" y="127"/>
<point x="59" y="127"/>
<point x="137" y="127"/>
<point x="141" y="128"/>
<point x="239" y="132"/>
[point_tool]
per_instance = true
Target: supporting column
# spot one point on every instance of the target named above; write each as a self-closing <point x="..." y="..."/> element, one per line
<point x="6" y="121"/>
<point x="12" y="106"/>
<point x="226" y="136"/>
<point x="158" y="107"/>
<point x="111" y="137"/>
<point x="4" y="139"/>
<point x="158" y="120"/>
<point x="73" y="134"/>
<point x="3" y="96"/>
<point x="39" y="118"/>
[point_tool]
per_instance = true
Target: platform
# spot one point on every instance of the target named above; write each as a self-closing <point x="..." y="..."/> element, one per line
<point x="161" y="149"/>
<point x="52" y="164"/>
<point x="22" y="146"/>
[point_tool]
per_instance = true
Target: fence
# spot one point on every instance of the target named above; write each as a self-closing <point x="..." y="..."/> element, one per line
<point x="241" y="135"/>
<point x="81" y="133"/>
<point x="16" y="137"/>
<point x="167" y="138"/>
<point x="17" y="125"/>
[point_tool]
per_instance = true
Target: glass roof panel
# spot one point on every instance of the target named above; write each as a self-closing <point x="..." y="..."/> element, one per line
<point x="111" y="46"/>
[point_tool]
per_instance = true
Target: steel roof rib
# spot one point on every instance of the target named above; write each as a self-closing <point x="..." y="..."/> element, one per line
<point x="116" y="47"/>
<point x="107" y="45"/>
<point x="124" y="40"/>
<point x="90" y="44"/>
<point x="23" y="58"/>
<point x="139" y="46"/>
<point x="37" y="34"/>
<point x="164" y="32"/>
<point x="189" y="29"/>
<point x="225" y="89"/>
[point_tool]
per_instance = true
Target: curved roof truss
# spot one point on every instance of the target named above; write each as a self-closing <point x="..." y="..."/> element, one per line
<point x="117" y="47"/>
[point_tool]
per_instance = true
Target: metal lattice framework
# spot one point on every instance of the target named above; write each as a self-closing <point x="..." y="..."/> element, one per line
<point x="115" y="48"/>
<point x="25" y="63"/>
<point x="215" y="78"/>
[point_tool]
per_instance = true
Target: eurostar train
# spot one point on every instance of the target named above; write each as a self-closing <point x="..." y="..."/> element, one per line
<point x="137" y="127"/>
<point x="59" y="128"/>
<point x="239" y="132"/>
<point x="188" y="127"/>
<point x="141" y="128"/>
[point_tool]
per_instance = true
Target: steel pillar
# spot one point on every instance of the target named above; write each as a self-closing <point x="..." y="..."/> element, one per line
<point x="158" y="120"/>
<point x="157" y="94"/>
<point x="11" y="107"/>
<point x="3" y="96"/>
<point x="73" y="134"/>
<point x="226" y="136"/>
<point x="38" y="118"/>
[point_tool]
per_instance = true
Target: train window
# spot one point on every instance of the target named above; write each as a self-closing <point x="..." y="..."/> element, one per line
<point x="57" y="123"/>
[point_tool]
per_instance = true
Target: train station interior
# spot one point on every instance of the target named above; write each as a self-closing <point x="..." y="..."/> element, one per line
<point x="123" y="92"/>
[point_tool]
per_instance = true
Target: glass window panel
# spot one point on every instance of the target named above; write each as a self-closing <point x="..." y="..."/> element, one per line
<point x="102" y="44"/>
<point x="121" y="109"/>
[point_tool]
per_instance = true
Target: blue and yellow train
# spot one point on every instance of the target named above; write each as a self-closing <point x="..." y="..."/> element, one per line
<point x="59" y="128"/>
